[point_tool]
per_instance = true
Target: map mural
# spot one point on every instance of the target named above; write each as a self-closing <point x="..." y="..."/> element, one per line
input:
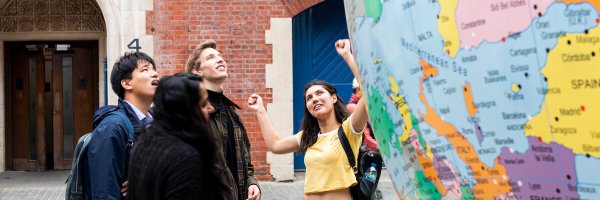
<point x="483" y="99"/>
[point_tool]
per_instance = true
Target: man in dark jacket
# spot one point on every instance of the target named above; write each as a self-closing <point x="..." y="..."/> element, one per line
<point x="134" y="80"/>
<point x="225" y="123"/>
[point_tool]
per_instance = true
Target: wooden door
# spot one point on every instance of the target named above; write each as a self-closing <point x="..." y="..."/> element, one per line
<point x="26" y="110"/>
<point x="74" y="90"/>
<point x="52" y="97"/>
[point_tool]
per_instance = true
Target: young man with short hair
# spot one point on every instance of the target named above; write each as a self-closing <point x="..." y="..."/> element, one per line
<point x="134" y="79"/>
<point x="225" y="123"/>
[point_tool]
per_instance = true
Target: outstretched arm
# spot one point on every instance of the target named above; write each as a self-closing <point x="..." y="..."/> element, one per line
<point x="274" y="142"/>
<point x="360" y="117"/>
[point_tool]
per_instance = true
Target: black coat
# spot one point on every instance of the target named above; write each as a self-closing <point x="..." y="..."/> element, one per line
<point x="166" y="167"/>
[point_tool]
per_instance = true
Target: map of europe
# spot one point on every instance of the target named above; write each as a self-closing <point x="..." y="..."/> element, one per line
<point x="483" y="99"/>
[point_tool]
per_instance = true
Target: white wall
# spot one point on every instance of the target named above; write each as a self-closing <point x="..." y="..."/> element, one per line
<point x="125" y="21"/>
<point x="280" y="79"/>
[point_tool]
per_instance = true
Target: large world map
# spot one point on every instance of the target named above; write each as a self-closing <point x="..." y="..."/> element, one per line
<point x="483" y="99"/>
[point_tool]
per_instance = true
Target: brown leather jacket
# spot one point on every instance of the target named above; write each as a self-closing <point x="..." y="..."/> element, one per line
<point x="218" y="126"/>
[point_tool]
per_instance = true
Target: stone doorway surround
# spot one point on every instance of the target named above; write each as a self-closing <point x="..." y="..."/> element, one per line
<point x="113" y="23"/>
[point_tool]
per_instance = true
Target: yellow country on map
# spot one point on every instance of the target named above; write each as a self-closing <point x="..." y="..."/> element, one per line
<point x="571" y="107"/>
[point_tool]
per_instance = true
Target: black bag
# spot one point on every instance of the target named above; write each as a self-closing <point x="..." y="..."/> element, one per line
<point x="364" y="188"/>
<point x="74" y="190"/>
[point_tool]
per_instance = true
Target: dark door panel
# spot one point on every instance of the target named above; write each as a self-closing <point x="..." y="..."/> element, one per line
<point x="27" y="108"/>
<point x="73" y="90"/>
<point x="51" y="98"/>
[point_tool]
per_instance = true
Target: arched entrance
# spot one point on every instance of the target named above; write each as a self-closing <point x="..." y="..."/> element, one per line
<point x="52" y="56"/>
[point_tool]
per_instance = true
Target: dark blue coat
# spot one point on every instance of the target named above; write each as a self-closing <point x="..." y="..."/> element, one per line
<point x="107" y="153"/>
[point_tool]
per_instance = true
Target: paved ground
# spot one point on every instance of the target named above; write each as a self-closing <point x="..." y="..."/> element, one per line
<point x="294" y="190"/>
<point x="51" y="185"/>
<point x="32" y="185"/>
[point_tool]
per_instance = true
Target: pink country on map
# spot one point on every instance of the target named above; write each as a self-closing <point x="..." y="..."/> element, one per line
<point x="495" y="20"/>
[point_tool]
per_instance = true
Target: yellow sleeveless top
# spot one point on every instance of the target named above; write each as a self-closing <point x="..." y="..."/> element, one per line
<point x="327" y="166"/>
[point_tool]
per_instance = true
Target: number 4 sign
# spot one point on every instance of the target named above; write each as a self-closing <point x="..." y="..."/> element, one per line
<point x="134" y="44"/>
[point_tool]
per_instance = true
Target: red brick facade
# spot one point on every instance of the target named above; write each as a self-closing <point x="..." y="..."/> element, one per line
<point x="239" y="29"/>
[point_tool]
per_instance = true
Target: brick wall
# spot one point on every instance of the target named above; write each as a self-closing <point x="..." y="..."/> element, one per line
<point x="239" y="29"/>
<point x="296" y="6"/>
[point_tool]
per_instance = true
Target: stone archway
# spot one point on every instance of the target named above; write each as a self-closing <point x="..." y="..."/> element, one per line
<point x="51" y="16"/>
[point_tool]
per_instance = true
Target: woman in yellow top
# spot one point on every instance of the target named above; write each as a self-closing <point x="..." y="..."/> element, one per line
<point x="328" y="174"/>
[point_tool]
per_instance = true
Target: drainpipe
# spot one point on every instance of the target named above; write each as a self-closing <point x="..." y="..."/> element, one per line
<point x="105" y="84"/>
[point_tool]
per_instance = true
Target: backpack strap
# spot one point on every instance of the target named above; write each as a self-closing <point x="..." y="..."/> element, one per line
<point x="128" y="126"/>
<point x="86" y="140"/>
<point x="130" y="136"/>
<point x="347" y="149"/>
<point x="74" y="189"/>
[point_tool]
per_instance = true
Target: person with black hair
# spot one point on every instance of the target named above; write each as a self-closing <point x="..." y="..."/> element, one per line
<point x="328" y="173"/>
<point x="173" y="159"/>
<point x="134" y="79"/>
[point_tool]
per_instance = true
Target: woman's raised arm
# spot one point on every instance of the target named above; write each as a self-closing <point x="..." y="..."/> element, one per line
<point x="274" y="142"/>
<point x="360" y="116"/>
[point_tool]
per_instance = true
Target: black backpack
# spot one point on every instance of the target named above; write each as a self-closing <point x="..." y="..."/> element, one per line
<point x="74" y="182"/>
<point x="364" y="188"/>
